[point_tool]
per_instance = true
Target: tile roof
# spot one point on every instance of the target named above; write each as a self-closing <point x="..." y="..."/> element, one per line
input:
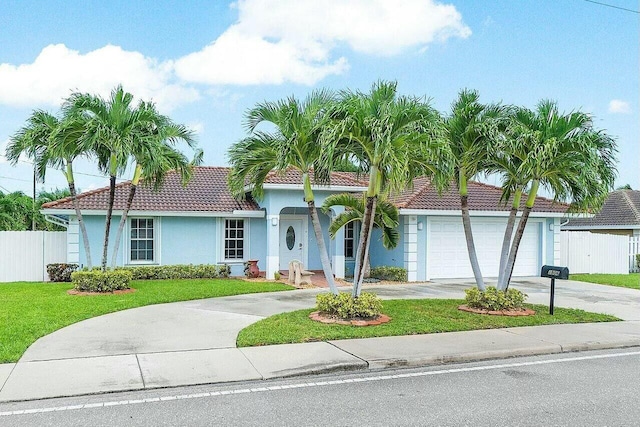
<point x="207" y="192"/>
<point x="622" y="208"/>
<point x="482" y="197"/>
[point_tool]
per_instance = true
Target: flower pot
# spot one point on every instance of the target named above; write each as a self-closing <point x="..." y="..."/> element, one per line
<point x="253" y="270"/>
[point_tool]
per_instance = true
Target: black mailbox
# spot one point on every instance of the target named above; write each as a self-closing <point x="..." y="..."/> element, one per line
<point x="553" y="272"/>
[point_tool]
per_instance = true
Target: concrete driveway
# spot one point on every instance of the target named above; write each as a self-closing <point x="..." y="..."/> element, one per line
<point x="214" y="323"/>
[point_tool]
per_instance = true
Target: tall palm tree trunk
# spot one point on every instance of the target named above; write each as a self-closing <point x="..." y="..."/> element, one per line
<point x="81" y="224"/>
<point x="519" y="233"/>
<point x="324" y="256"/>
<point x="504" y="253"/>
<point x="107" y="224"/>
<point x="363" y="246"/>
<point x="123" y="221"/>
<point x="468" y="233"/>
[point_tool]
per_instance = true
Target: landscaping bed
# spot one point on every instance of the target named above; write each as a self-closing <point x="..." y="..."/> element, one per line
<point x="29" y="311"/>
<point x="409" y="317"/>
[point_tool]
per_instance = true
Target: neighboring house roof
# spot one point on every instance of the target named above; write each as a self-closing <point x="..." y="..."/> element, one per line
<point x="482" y="197"/>
<point x="620" y="210"/>
<point x="208" y="192"/>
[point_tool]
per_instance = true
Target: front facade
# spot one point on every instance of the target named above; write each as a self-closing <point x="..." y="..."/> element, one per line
<point x="202" y="224"/>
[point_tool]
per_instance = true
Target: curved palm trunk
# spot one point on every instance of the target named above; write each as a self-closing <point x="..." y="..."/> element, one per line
<point x="324" y="256"/>
<point x="519" y="233"/>
<point x="363" y="245"/>
<point x="508" y="233"/>
<point x="315" y="221"/>
<point x="468" y="233"/>
<point x="123" y="221"/>
<point x="132" y="192"/>
<point x="76" y="206"/>
<point x="107" y="224"/>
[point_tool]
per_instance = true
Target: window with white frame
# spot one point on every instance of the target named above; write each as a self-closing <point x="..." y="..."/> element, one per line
<point x="142" y="240"/>
<point x="234" y="239"/>
<point x="350" y="240"/>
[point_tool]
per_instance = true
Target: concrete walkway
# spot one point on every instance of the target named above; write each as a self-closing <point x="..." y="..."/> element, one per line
<point x="193" y="342"/>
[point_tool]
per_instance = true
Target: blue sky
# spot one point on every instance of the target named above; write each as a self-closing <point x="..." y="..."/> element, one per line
<point x="206" y="62"/>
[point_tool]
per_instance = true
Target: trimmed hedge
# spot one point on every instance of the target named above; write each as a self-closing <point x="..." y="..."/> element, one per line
<point x="343" y="305"/>
<point x="394" y="274"/>
<point x="61" y="272"/>
<point x="99" y="281"/>
<point x="159" y="272"/>
<point x="493" y="299"/>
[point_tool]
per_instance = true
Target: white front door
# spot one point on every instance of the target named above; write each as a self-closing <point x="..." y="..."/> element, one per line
<point x="293" y="241"/>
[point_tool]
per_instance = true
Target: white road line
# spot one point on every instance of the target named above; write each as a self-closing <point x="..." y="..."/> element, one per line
<point x="315" y="384"/>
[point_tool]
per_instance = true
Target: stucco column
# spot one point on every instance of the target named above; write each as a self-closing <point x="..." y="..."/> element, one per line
<point x="411" y="247"/>
<point x="273" y="245"/>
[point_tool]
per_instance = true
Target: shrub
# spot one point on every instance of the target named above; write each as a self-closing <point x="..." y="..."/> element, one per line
<point x="394" y="274"/>
<point x="343" y="305"/>
<point x="158" y="272"/>
<point x="99" y="281"/>
<point x="495" y="300"/>
<point x="276" y="275"/>
<point x="638" y="260"/>
<point x="61" y="272"/>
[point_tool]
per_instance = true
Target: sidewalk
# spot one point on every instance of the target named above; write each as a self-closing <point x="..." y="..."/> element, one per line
<point x="193" y="342"/>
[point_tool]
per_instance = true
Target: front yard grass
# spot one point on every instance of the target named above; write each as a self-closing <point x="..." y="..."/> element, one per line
<point x="29" y="311"/>
<point x="631" y="280"/>
<point x="409" y="317"/>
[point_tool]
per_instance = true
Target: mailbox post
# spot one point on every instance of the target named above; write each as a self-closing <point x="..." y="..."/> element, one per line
<point x="554" y="273"/>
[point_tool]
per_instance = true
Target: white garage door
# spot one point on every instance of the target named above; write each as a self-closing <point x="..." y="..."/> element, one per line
<point x="447" y="255"/>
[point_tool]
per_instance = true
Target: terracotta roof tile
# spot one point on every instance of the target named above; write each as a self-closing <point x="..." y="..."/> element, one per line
<point x="482" y="197"/>
<point x="207" y="192"/>
<point x="621" y="208"/>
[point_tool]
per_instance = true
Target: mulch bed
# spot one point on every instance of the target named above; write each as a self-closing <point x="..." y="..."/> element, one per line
<point x="123" y="291"/>
<point x="520" y="312"/>
<point x="325" y="318"/>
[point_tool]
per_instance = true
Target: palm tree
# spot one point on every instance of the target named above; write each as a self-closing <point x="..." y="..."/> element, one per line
<point x="115" y="129"/>
<point x="153" y="156"/>
<point x="392" y="138"/>
<point x="53" y="142"/>
<point x="470" y="131"/>
<point x="386" y="217"/>
<point x="295" y="143"/>
<point x="564" y="154"/>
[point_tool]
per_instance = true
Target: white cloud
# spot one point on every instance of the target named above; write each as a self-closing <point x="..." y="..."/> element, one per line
<point x="196" y="127"/>
<point x="58" y="71"/>
<point x="275" y="42"/>
<point x="3" y="147"/>
<point x="618" y="106"/>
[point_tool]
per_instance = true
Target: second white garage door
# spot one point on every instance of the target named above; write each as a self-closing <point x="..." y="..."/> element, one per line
<point x="447" y="255"/>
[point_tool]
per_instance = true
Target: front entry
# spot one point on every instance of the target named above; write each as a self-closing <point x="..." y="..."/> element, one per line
<point x="293" y="241"/>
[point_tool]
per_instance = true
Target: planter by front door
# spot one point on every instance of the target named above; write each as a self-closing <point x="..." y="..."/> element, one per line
<point x="293" y="241"/>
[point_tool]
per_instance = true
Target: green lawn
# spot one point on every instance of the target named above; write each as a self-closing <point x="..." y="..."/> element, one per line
<point x="631" y="280"/>
<point x="29" y="311"/>
<point x="409" y="317"/>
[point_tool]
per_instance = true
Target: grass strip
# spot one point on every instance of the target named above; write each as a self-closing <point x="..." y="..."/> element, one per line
<point x="29" y="311"/>
<point x="409" y="317"/>
<point x="631" y="280"/>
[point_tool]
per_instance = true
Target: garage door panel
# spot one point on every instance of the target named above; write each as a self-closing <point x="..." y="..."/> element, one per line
<point x="447" y="248"/>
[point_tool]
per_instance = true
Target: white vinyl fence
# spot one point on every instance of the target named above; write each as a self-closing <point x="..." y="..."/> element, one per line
<point x="24" y="255"/>
<point x="585" y="252"/>
<point x="634" y="249"/>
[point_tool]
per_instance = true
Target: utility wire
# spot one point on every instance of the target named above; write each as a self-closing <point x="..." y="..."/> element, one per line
<point x="613" y="6"/>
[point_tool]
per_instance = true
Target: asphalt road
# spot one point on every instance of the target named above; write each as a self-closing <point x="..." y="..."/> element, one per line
<point x="578" y="389"/>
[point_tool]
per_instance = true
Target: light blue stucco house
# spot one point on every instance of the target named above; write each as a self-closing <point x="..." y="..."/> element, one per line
<point x="202" y="224"/>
